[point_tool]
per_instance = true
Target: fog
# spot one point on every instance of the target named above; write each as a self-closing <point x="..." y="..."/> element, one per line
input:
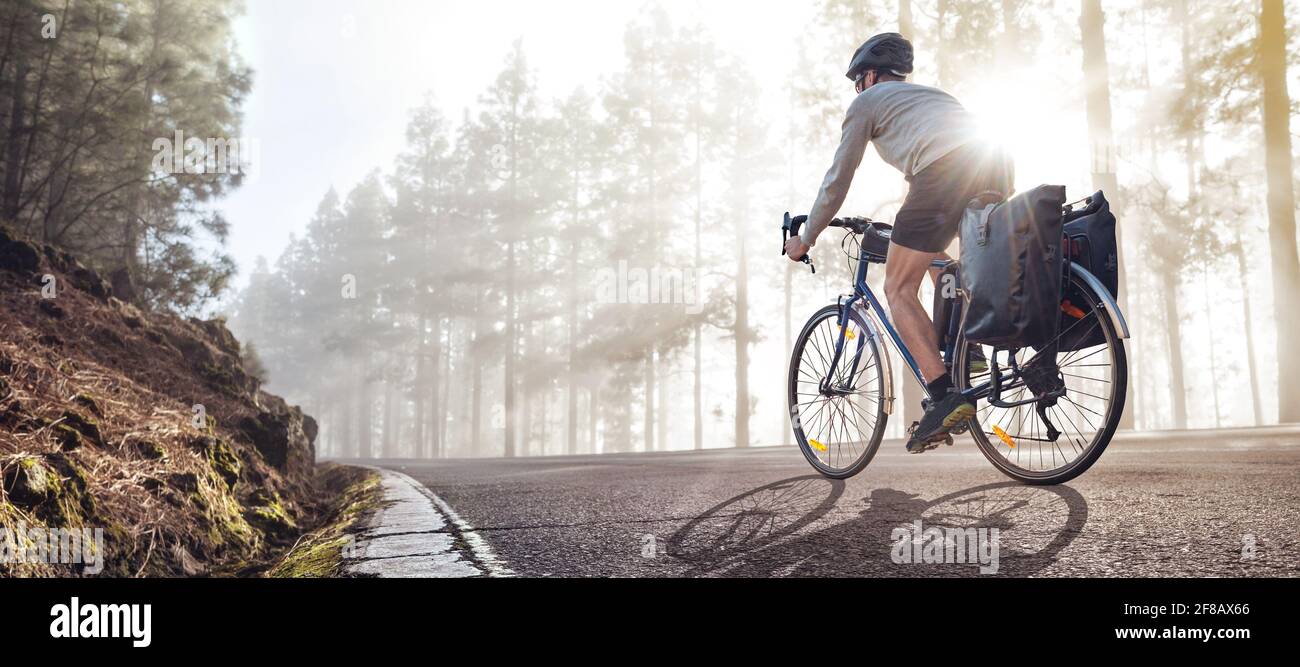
<point x="538" y="228"/>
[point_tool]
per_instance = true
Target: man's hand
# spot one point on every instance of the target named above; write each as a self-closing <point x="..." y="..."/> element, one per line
<point x="795" y="248"/>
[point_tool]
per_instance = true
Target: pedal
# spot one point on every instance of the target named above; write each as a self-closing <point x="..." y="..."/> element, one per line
<point x="933" y="443"/>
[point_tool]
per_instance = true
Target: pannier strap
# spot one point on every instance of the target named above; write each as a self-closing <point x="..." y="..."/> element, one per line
<point x="983" y="202"/>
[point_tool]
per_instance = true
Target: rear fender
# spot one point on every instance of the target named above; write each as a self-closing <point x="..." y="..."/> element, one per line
<point x="1103" y="295"/>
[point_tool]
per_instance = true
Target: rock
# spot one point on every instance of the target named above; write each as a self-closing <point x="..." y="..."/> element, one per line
<point x="187" y="482"/>
<point x="29" y="482"/>
<point x="52" y="309"/>
<point x="88" y="402"/>
<point x="149" y="449"/>
<point x="280" y="436"/>
<point x="88" y="281"/>
<point x="310" y="428"/>
<point x="123" y="286"/>
<point x="108" y="337"/>
<point x="11" y="415"/>
<point x="87" y="428"/>
<point x="268" y="514"/>
<point x="19" y="257"/>
<point x="68" y="437"/>
<point x="218" y="334"/>
<point x="220" y="456"/>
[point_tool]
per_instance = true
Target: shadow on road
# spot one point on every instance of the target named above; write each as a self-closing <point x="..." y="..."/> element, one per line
<point x="755" y="533"/>
<point x="753" y="520"/>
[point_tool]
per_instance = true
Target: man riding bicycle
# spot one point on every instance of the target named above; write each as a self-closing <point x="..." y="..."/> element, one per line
<point x="926" y="134"/>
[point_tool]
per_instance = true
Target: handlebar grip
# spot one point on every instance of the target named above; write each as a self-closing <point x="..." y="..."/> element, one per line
<point x="789" y="229"/>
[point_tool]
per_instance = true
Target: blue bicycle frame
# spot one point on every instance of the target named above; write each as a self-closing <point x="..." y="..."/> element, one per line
<point x="863" y="291"/>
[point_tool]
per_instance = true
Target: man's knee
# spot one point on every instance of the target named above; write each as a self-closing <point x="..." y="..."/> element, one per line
<point x="899" y="291"/>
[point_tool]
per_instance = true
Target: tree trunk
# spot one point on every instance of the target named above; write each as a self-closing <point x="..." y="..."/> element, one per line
<point x="417" y="391"/>
<point x="661" y="431"/>
<point x="571" y="371"/>
<point x="388" y="438"/>
<point x="1177" y="388"/>
<point x="445" y="402"/>
<point x="1281" y="205"/>
<point x="1243" y="271"/>
<point x="347" y="437"/>
<point x="435" y="375"/>
<point x="476" y="396"/>
<point x="593" y="404"/>
<point x="365" y="442"/>
<point x="1209" y="334"/>
<point x="511" y="332"/>
<point x="649" y="434"/>
<point x="742" y="336"/>
<point x="1096" y="78"/>
<point x="13" y="144"/>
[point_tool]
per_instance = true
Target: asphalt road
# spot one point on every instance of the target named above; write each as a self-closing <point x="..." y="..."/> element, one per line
<point x="1204" y="504"/>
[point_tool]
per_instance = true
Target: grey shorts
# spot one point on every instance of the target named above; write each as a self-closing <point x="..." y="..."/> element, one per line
<point x="931" y="213"/>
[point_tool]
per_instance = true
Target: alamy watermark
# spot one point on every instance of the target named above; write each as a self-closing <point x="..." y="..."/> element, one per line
<point x="179" y="154"/>
<point x="917" y="545"/>
<point x="653" y="286"/>
<point x="53" y="546"/>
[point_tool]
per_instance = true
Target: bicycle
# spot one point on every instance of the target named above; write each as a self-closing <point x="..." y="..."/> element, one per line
<point x="840" y="404"/>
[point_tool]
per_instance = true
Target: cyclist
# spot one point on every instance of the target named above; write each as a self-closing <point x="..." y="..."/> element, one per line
<point x="926" y="134"/>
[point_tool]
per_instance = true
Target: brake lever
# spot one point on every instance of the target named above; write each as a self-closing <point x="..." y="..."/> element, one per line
<point x="787" y="231"/>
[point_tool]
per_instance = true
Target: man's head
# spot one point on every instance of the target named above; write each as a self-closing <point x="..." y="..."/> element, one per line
<point x="885" y="57"/>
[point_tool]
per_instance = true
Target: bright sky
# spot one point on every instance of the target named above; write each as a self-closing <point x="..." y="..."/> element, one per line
<point x="335" y="80"/>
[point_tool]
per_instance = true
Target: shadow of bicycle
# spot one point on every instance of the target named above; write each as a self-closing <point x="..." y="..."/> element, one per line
<point x="758" y="533"/>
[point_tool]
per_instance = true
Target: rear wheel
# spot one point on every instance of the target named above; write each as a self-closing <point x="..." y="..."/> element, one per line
<point x="838" y="425"/>
<point x="1017" y="440"/>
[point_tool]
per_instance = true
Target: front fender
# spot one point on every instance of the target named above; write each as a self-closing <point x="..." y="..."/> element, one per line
<point x="886" y="370"/>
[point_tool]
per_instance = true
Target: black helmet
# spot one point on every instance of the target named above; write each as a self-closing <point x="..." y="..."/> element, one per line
<point x="887" y="51"/>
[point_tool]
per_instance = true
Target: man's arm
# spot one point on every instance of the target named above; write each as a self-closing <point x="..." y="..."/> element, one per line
<point x="853" y="143"/>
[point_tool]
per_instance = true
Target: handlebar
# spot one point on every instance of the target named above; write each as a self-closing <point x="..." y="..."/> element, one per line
<point x="790" y="228"/>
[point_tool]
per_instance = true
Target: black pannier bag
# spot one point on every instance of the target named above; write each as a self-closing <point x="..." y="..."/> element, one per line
<point x="1011" y="267"/>
<point x="1089" y="242"/>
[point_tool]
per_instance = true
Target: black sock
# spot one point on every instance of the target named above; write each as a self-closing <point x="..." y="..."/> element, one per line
<point x="939" y="386"/>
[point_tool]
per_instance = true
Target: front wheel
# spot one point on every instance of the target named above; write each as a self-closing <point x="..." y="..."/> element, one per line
<point x="1094" y="368"/>
<point x="838" y="424"/>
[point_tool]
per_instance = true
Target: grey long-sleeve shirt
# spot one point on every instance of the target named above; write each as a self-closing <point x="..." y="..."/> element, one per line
<point x="911" y="126"/>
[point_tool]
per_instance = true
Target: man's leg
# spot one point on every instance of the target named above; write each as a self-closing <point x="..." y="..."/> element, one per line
<point x="904" y="270"/>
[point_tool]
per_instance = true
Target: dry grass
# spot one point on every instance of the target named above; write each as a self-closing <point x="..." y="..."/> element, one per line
<point x="96" y="398"/>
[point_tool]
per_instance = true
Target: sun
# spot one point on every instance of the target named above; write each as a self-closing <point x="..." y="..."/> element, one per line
<point x="1013" y="113"/>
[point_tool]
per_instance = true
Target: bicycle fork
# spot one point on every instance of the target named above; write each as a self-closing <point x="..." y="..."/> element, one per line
<point x="871" y="330"/>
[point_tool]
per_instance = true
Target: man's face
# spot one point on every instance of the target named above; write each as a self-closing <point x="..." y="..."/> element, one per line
<point x="864" y="82"/>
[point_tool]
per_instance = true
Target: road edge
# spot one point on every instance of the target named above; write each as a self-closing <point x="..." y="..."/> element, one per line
<point x="468" y="546"/>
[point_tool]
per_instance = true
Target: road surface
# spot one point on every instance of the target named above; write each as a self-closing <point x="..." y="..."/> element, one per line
<point x="1201" y="504"/>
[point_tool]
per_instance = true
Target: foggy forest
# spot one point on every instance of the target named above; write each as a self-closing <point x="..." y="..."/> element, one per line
<point x="597" y="270"/>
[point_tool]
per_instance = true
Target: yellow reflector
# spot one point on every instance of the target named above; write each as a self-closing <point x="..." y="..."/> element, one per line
<point x="848" y="333"/>
<point x="1002" y="435"/>
<point x="817" y="445"/>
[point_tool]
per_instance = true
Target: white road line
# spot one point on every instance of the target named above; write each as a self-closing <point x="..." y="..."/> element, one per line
<point x="414" y="535"/>
<point x="482" y="552"/>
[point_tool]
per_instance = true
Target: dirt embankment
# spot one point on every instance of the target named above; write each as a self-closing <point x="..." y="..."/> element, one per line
<point x="144" y="425"/>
